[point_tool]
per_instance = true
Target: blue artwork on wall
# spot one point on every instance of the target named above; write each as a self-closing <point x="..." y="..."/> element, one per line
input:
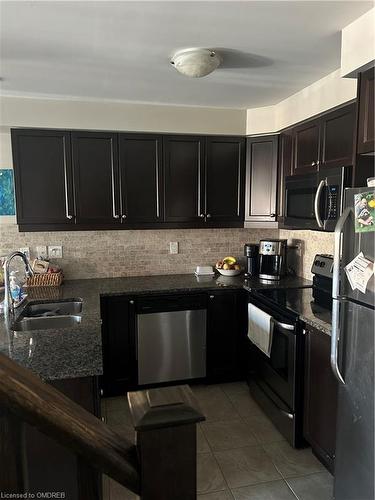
<point x="6" y="192"/>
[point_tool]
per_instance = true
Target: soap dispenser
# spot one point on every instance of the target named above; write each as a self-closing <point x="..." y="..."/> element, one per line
<point x="15" y="289"/>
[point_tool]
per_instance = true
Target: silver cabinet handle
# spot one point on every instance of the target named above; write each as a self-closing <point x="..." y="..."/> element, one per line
<point x="317" y="202"/>
<point x="335" y="335"/>
<point x="123" y="216"/>
<point x="272" y="215"/>
<point x="212" y="296"/>
<point x="208" y="216"/>
<point x="313" y="164"/>
<point x="131" y="302"/>
<point x="115" y="215"/>
<point x="67" y="211"/>
<point x="101" y="392"/>
<point x="284" y="326"/>
<point x="201" y="215"/>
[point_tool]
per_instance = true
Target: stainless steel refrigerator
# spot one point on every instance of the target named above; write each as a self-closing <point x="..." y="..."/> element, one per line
<point x="352" y="360"/>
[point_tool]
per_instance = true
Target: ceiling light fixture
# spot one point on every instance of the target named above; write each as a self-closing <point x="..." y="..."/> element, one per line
<point x="196" y="62"/>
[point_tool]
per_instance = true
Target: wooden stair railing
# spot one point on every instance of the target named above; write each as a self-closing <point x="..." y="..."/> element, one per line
<point x="162" y="466"/>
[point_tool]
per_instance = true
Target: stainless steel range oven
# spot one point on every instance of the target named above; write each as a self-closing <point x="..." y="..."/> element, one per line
<point x="276" y="381"/>
<point x="314" y="201"/>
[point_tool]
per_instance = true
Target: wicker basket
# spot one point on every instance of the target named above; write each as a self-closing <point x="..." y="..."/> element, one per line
<point x="46" y="279"/>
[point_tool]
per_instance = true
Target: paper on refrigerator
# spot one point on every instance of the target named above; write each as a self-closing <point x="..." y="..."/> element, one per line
<point x="359" y="271"/>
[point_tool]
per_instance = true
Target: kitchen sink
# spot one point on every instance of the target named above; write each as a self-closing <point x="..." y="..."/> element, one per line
<point x="46" y="322"/>
<point x="53" y="309"/>
<point x="49" y="315"/>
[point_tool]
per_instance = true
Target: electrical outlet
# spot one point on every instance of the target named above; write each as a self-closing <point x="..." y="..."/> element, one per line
<point x="173" y="247"/>
<point x="26" y="251"/>
<point x="55" y="252"/>
<point x="41" y="252"/>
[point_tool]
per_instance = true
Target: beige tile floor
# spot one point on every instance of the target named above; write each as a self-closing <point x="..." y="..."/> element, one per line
<point x="241" y="456"/>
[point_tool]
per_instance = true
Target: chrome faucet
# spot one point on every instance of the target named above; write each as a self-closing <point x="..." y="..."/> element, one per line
<point x="8" y="299"/>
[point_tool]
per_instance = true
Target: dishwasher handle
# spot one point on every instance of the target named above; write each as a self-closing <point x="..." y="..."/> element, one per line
<point x="169" y="303"/>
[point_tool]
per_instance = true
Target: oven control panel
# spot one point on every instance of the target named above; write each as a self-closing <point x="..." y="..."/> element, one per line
<point x="323" y="265"/>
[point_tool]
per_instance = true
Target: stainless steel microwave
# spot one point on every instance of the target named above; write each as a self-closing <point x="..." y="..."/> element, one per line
<point x="314" y="201"/>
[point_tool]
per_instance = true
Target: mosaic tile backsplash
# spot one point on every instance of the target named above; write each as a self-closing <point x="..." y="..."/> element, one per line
<point x="310" y="243"/>
<point x="96" y="254"/>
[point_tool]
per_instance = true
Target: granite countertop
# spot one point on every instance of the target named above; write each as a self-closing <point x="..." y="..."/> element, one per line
<point x="77" y="351"/>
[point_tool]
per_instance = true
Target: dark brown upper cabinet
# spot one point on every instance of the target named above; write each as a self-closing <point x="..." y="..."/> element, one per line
<point x="261" y="178"/>
<point x="337" y="131"/>
<point x="141" y="178"/>
<point x="320" y="396"/>
<point x="306" y="147"/>
<point x="43" y="177"/>
<point x="96" y="178"/>
<point x="285" y="169"/>
<point x="224" y="173"/>
<point x="183" y="179"/>
<point x="366" y="90"/>
<point x="324" y="142"/>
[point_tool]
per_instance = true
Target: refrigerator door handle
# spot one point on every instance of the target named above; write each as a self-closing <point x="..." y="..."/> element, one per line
<point x="318" y="195"/>
<point x="335" y="336"/>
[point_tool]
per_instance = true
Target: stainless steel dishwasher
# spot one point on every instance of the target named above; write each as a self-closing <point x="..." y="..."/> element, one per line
<point x="171" y="338"/>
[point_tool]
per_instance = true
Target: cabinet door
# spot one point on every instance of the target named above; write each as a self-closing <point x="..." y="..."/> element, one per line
<point x="306" y="147"/>
<point x="95" y="166"/>
<point x="118" y="341"/>
<point x="285" y="169"/>
<point x="222" y="335"/>
<point x="261" y="178"/>
<point x="140" y="174"/>
<point x="43" y="177"/>
<point x="366" y="137"/>
<point x="338" y="137"/>
<point x="224" y="180"/>
<point x="320" y="405"/>
<point x="183" y="178"/>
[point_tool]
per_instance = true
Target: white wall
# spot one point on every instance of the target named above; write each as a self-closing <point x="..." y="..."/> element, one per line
<point x="358" y="44"/>
<point x="111" y="115"/>
<point x="329" y="92"/>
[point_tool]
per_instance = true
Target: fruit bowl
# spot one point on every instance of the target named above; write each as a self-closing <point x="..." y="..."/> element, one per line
<point x="229" y="272"/>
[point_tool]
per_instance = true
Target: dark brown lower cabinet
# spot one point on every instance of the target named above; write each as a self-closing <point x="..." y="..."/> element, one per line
<point x="118" y="344"/>
<point x="224" y="327"/>
<point x="50" y="467"/>
<point x="320" y="404"/>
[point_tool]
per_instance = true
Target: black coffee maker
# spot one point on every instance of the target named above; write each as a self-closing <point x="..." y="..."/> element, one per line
<point x="251" y="252"/>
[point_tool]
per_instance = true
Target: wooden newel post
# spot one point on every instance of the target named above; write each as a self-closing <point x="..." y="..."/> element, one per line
<point x="165" y="421"/>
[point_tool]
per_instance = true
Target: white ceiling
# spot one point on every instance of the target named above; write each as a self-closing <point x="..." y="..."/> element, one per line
<point x="121" y="50"/>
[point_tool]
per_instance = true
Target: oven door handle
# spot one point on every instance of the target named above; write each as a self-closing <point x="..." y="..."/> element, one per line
<point x="284" y="326"/>
<point x="318" y="195"/>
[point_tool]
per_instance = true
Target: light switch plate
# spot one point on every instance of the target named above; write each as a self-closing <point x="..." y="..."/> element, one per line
<point x="41" y="252"/>
<point x="26" y="251"/>
<point x="55" y="252"/>
<point x="173" y="247"/>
